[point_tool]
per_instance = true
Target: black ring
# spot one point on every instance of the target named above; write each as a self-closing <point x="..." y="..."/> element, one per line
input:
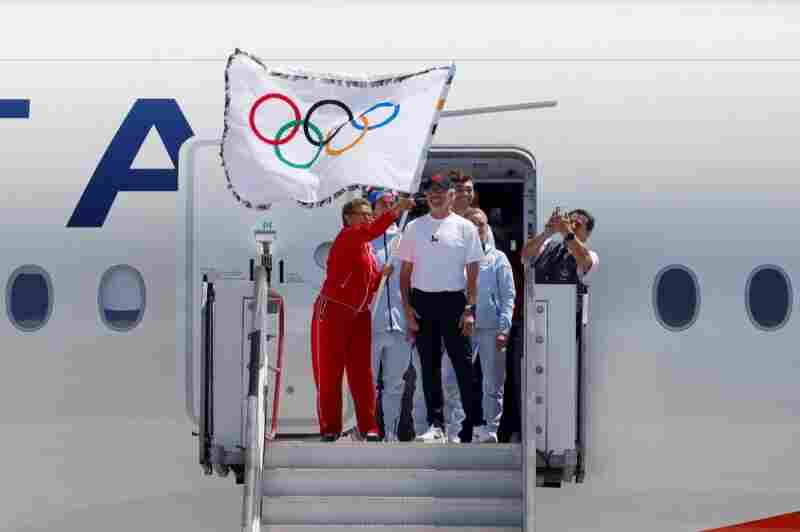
<point x="313" y="108"/>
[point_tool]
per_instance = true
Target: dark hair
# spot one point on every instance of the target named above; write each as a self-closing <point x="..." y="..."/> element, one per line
<point x="459" y="176"/>
<point x="350" y="207"/>
<point x="589" y="218"/>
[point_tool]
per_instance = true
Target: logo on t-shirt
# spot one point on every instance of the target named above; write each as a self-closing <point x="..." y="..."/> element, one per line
<point x="434" y="238"/>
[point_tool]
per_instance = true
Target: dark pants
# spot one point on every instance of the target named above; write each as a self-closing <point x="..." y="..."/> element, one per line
<point x="439" y="314"/>
<point x="511" y="421"/>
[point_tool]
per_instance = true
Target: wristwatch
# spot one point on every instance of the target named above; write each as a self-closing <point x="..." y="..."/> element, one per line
<point x="569" y="236"/>
<point x="470" y="309"/>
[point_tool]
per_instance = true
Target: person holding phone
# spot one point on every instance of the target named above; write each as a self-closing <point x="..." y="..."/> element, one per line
<point x="567" y="261"/>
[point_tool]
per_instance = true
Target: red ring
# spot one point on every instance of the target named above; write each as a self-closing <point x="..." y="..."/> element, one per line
<point x="254" y="108"/>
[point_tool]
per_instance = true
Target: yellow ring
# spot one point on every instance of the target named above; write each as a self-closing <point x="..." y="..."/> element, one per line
<point x="331" y="151"/>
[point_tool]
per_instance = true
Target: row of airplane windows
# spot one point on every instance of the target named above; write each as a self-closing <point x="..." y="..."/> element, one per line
<point x="768" y="297"/>
<point x="121" y="297"/>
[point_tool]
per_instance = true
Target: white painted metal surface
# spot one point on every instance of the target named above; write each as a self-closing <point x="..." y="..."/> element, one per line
<point x="683" y="143"/>
<point x="560" y="367"/>
<point x="233" y="319"/>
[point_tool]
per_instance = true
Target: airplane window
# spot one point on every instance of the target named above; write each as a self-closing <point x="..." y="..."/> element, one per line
<point x="768" y="297"/>
<point x="321" y="254"/>
<point x="676" y="297"/>
<point x="29" y="298"/>
<point x="121" y="297"/>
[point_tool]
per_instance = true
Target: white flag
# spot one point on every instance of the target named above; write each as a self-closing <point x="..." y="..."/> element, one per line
<point x="294" y="134"/>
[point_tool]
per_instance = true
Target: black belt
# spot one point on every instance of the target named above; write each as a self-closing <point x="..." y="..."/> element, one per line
<point x="443" y="292"/>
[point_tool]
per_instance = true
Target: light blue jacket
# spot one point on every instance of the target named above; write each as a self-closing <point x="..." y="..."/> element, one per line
<point x="495" y="292"/>
<point x="388" y="314"/>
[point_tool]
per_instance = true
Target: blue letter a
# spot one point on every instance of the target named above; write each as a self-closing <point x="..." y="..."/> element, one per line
<point x="114" y="173"/>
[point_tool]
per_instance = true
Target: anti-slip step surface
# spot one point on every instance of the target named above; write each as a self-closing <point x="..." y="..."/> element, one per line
<point x="404" y="455"/>
<point x="436" y="511"/>
<point x="385" y="528"/>
<point x="392" y="483"/>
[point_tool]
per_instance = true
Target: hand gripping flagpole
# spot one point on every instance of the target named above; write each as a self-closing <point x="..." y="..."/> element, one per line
<point x="391" y="251"/>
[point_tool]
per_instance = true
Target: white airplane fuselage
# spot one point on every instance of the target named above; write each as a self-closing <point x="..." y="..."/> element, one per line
<point x="681" y="142"/>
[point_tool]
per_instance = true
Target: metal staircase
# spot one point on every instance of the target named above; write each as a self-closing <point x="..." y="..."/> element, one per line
<point x="412" y="487"/>
<point x="300" y="485"/>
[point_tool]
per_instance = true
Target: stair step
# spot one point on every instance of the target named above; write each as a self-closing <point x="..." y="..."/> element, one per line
<point x="436" y="511"/>
<point x="392" y="483"/>
<point x="404" y="455"/>
<point x="387" y="528"/>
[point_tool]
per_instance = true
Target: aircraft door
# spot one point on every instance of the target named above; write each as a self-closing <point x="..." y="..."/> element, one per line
<point x="545" y="324"/>
<point x="505" y="183"/>
<point x="216" y="240"/>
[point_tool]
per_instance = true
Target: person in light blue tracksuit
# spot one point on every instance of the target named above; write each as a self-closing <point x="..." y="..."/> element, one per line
<point x="390" y="346"/>
<point x="492" y="326"/>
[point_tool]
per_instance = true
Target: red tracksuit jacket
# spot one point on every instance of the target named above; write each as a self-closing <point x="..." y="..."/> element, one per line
<point x="352" y="272"/>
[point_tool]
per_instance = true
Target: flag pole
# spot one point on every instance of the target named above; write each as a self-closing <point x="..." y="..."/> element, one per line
<point x="417" y="180"/>
<point x="395" y="245"/>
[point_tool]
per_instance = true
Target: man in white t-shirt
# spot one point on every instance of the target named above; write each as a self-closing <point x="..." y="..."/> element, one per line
<point x="440" y="254"/>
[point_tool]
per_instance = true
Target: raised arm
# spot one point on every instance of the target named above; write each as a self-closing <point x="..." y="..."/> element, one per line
<point x="533" y="246"/>
<point x="371" y="231"/>
<point x="581" y="253"/>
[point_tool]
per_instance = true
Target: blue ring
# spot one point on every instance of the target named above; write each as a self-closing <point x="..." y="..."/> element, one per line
<point x="381" y="124"/>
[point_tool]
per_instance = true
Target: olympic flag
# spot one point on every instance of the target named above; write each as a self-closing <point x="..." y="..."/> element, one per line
<point x="294" y="134"/>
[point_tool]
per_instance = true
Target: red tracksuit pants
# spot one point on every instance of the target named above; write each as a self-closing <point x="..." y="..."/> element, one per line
<point x="341" y="340"/>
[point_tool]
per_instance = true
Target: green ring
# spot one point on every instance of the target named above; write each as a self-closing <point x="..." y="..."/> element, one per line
<point x="293" y="123"/>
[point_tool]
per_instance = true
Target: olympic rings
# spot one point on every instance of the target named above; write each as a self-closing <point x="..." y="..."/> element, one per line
<point x="296" y="125"/>
<point x="316" y="106"/>
<point x="320" y="141"/>
<point x="331" y="151"/>
<point x="277" y="140"/>
<point x="376" y="106"/>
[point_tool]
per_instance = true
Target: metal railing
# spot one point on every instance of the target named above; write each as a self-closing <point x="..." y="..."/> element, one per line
<point x="277" y="369"/>
<point x="256" y="394"/>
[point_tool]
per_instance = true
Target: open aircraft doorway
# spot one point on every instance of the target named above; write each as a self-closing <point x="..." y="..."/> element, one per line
<point x="542" y="394"/>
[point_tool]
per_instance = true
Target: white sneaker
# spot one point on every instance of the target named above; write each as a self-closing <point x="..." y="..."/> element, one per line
<point x="452" y="437"/>
<point x="484" y="436"/>
<point x="434" y="435"/>
<point x="390" y="437"/>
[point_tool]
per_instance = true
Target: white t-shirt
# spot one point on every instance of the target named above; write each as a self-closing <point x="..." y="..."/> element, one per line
<point x="585" y="277"/>
<point x="439" y="250"/>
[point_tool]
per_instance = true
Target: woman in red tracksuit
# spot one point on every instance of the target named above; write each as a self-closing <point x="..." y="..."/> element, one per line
<point x="341" y="326"/>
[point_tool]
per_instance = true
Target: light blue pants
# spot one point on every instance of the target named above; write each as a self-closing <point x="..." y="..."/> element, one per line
<point x="493" y="367"/>
<point x="394" y="352"/>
